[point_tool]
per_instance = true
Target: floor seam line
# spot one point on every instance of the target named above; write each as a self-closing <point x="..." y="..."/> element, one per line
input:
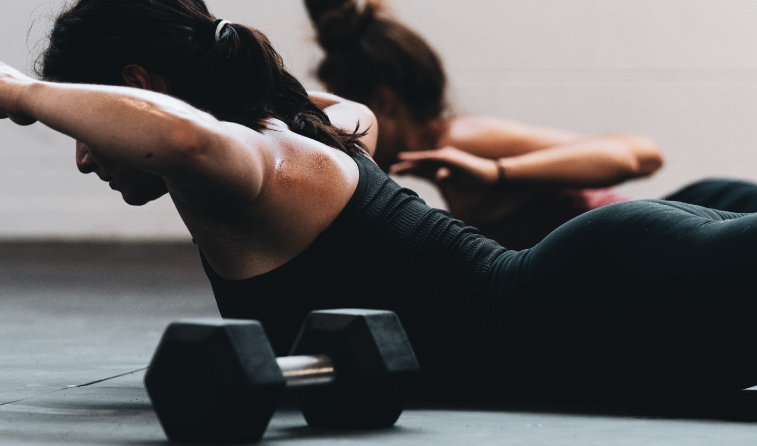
<point x="104" y="379"/>
<point x="73" y="387"/>
<point x="13" y="402"/>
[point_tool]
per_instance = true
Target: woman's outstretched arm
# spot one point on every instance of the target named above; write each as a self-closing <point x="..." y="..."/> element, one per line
<point x="144" y="129"/>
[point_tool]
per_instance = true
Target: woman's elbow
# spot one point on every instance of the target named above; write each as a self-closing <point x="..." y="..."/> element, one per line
<point x="650" y="158"/>
<point x="188" y="142"/>
<point x="646" y="154"/>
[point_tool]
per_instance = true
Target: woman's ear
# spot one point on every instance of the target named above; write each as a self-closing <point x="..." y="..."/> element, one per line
<point x="138" y="77"/>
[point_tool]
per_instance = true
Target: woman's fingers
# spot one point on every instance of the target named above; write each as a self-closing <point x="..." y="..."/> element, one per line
<point x="22" y="120"/>
<point x="442" y="174"/>
<point x="10" y="82"/>
<point x="449" y="165"/>
<point x="401" y="167"/>
<point x="425" y="155"/>
<point x="421" y="169"/>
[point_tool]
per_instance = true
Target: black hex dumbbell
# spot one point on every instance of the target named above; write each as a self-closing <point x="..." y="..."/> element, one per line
<point x="219" y="380"/>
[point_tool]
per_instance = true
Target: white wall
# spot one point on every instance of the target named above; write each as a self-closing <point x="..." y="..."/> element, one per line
<point x="682" y="72"/>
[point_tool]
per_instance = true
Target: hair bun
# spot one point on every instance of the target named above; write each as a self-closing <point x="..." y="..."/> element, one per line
<point x="339" y="23"/>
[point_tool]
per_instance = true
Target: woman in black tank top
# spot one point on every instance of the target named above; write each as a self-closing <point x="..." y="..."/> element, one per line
<point x="291" y="214"/>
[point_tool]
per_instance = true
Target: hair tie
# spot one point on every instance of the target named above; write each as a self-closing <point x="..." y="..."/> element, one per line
<point x="219" y="28"/>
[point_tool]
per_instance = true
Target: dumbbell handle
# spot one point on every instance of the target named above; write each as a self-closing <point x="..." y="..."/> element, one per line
<point x="306" y="370"/>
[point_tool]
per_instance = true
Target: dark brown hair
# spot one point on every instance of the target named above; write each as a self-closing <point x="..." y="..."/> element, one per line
<point x="240" y="78"/>
<point x="365" y="49"/>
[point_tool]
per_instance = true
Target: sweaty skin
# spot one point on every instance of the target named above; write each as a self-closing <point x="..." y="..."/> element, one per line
<point x="251" y="200"/>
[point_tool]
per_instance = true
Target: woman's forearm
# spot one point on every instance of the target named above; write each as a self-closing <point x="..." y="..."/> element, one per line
<point x="593" y="162"/>
<point x="138" y="127"/>
<point x="534" y="154"/>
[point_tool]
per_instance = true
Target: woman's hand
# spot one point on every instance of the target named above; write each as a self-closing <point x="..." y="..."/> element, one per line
<point x="470" y="184"/>
<point x="449" y="168"/>
<point x="12" y="83"/>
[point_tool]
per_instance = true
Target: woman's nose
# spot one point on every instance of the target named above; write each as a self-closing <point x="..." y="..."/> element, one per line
<point x="84" y="159"/>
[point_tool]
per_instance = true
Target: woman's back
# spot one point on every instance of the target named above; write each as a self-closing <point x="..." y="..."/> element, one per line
<point x="387" y="249"/>
<point x="306" y="185"/>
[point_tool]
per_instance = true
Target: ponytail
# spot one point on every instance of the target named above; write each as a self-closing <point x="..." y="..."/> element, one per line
<point x="340" y="23"/>
<point x="366" y="49"/>
<point x="224" y="68"/>
<point x="274" y="93"/>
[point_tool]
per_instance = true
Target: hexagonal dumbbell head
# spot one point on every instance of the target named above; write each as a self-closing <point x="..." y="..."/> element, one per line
<point x="374" y="365"/>
<point x="214" y="381"/>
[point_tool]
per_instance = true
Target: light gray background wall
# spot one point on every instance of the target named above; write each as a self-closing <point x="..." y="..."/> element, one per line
<point x="682" y="72"/>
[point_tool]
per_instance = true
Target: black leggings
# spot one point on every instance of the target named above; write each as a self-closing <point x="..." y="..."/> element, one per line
<point x="719" y="193"/>
<point x="645" y="296"/>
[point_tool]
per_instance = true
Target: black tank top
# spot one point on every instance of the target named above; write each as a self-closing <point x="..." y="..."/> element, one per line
<point x="386" y="250"/>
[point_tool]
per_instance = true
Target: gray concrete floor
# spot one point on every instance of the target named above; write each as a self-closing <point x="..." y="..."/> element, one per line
<point x="79" y="324"/>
